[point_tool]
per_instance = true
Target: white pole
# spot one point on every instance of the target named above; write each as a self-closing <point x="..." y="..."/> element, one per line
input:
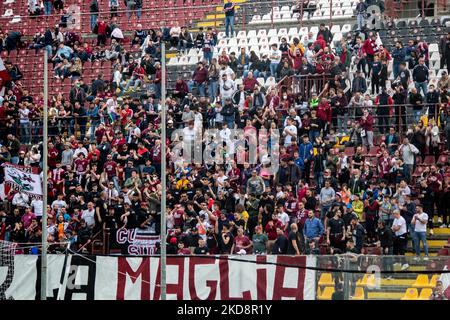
<point x="163" y="171"/>
<point x="44" y="185"/>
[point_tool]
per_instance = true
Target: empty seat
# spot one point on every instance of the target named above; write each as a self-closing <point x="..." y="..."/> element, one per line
<point x="251" y="34"/>
<point x="293" y="32"/>
<point x="368" y="280"/>
<point x="411" y="294"/>
<point x="421" y="281"/>
<point x="425" y="294"/>
<point x="282" y="32"/>
<point x="326" y="279"/>
<point x="359" y="294"/>
<point x="326" y="293"/>
<point x="433" y="280"/>
<point x="241" y="35"/>
<point x="262" y="33"/>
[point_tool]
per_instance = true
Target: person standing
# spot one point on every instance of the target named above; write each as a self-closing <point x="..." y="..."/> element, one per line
<point x="366" y="122"/>
<point x="228" y="8"/>
<point x="408" y="152"/>
<point x="399" y="55"/>
<point x="400" y="239"/>
<point x="445" y="52"/>
<point x="336" y="232"/>
<point x="361" y="13"/>
<point x="420" y="220"/>
<point x="294" y="241"/>
<point x="420" y="77"/>
<point x="93" y="9"/>
<point x="313" y="229"/>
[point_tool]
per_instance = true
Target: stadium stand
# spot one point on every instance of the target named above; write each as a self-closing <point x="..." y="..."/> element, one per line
<point x="364" y="117"/>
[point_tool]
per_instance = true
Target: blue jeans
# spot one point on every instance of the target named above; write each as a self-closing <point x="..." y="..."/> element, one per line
<point x="412" y="234"/>
<point x="15" y="160"/>
<point x="313" y="134"/>
<point x="138" y="13"/>
<point x="342" y="123"/>
<point x="25" y="132"/>
<point x="417" y="115"/>
<point x="47" y="8"/>
<point x="212" y="90"/>
<point x="201" y="87"/>
<point x="94" y="18"/>
<point x="323" y="212"/>
<point x="360" y="21"/>
<point x="92" y="131"/>
<point x="255" y="73"/>
<point x="137" y="82"/>
<point x="229" y="120"/>
<point x="423" y="86"/>
<point x="273" y="69"/>
<point x="208" y="56"/>
<point x="396" y="69"/>
<point x="318" y="177"/>
<point x="49" y="51"/>
<point x="229" y="24"/>
<point x="421" y="236"/>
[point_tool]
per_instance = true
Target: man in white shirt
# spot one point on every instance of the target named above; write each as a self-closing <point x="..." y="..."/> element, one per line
<point x="188" y="140"/>
<point x="227" y="88"/>
<point x="283" y="216"/>
<point x="38" y="207"/>
<point x="289" y="131"/>
<point x="275" y="58"/>
<point x="310" y="54"/>
<point x="89" y="215"/>
<point x="80" y="149"/>
<point x="21" y="200"/>
<point x="228" y="72"/>
<point x="400" y="240"/>
<point x="408" y="152"/>
<point x="297" y="120"/>
<point x="419" y="221"/>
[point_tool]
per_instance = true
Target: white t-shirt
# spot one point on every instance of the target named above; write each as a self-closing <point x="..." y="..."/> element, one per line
<point x="284" y="218"/>
<point x="188" y="134"/>
<point x="293" y="130"/>
<point x="38" y="207"/>
<point x="419" y="226"/>
<point x="402" y="223"/>
<point x="88" y="216"/>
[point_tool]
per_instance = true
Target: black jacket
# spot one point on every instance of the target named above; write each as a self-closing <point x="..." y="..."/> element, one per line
<point x="386" y="237"/>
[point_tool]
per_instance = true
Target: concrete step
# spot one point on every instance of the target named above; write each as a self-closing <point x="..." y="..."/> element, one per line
<point x="383" y="295"/>
<point x="215" y="16"/>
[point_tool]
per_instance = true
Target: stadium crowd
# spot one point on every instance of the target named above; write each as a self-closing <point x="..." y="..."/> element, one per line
<point x="348" y="154"/>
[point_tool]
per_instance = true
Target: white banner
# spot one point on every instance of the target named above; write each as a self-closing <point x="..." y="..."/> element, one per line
<point x="25" y="182"/>
<point x="188" y="278"/>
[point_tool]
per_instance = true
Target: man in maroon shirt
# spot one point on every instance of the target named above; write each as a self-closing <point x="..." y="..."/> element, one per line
<point x="271" y="230"/>
<point x="81" y="166"/>
<point x="102" y="30"/>
<point x="324" y="114"/>
<point x="198" y="78"/>
<point x="370" y="48"/>
<point x="366" y="123"/>
<point x="181" y="89"/>
<point x="110" y="167"/>
<point x="250" y="82"/>
<point x="52" y="155"/>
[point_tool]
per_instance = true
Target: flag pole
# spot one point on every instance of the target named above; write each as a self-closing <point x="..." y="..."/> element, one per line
<point x="44" y="184"/>
<point x="163" y="172"/>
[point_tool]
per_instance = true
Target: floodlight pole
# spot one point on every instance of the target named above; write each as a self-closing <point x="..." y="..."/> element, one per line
<point x="163" y="172"/>
<point x="44" y="184"/>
